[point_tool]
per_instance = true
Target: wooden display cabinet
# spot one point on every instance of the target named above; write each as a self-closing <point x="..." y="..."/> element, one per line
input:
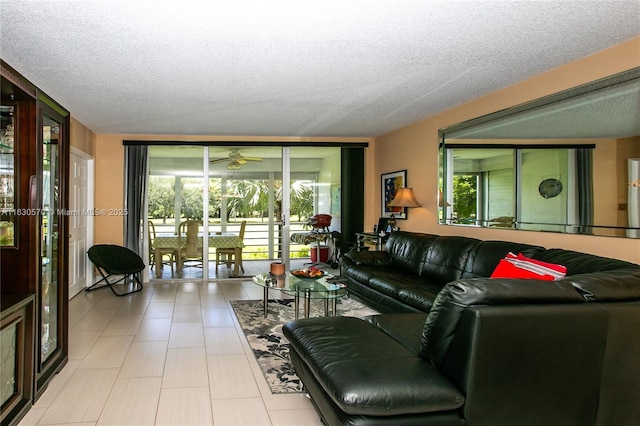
<point x="34" y="153"/>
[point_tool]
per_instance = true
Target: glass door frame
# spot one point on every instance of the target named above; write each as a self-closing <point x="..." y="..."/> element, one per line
<point x="286" y="208"/>
<point x="205" y="213"/>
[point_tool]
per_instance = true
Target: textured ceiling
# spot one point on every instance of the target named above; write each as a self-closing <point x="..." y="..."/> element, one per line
<point x="292" y="68"/>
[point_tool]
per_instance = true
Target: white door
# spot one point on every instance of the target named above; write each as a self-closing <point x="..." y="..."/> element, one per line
<point x="80" y="203"/>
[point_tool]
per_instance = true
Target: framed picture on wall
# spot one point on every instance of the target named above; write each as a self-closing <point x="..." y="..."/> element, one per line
<point x="390" y="184"/>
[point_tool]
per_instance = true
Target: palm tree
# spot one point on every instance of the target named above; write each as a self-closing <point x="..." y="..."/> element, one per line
<point x="302" y="199"/>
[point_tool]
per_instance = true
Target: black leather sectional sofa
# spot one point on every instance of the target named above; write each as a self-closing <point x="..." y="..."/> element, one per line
<point x="456" y="347"/>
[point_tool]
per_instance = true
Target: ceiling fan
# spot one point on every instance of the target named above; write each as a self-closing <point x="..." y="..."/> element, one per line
<point x="235" y="159"/>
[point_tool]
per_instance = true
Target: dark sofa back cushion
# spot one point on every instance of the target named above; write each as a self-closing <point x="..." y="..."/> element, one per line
<point x="582" y="263"/>
<point x="407" y="249"/>
<point x="609" y="286"/>
<point x="442" y="321"/>
<point x="446" y="258"/>
<point x="486" y="255"/>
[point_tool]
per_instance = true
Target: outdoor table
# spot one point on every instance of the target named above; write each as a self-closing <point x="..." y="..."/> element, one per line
<point x="223" y="240"/>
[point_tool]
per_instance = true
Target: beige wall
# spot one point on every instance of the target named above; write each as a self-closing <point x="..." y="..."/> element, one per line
<point x="110" y="173"/>
<point x="415" y="148"/>
<point x="109" y="189"/>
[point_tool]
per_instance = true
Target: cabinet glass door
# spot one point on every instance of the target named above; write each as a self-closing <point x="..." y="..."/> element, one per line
<point x="7" y="176"/>
<point x="49" y="227"/>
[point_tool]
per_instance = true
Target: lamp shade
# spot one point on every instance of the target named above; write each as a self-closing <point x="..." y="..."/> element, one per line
<point x="441" y="199"/>
<point x="404" y="198"/>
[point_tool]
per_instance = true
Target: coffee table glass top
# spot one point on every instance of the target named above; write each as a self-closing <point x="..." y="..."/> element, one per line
<point x="300" y="287"/>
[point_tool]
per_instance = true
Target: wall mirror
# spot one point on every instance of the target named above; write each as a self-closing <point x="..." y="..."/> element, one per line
<point x="568" y="163"/>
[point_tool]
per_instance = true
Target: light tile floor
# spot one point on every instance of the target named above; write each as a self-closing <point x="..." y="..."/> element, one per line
<point x="172" y="354"/>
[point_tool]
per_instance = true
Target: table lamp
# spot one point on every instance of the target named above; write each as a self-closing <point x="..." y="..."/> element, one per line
<point x="404" y="198"/>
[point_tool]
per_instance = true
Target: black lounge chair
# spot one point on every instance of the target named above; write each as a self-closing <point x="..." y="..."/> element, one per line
<point x="115" y="260"/>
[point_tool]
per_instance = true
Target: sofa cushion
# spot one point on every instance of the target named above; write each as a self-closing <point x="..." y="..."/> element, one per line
<point x="343" y="352"/>
<point x="442" y="321"/>
<point x="391" y="283"/>
<point x="369" y="258"/>
<point x="507" y="269"/>
<point x="446" y="258"/>
<point x="379" y="301"/>
<point x="485" y="256"/>
<point x="520" y="266"/>
<point x="420" y="296"/>
<point x="582" y="263"/>
<point x="407" y="250"/>
<point x="363" y="273"/>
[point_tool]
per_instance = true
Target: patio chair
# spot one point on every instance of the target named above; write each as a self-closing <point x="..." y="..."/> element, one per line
<point x="162" y="251"/>
<point x="116" y="263"/>
<point x="230" y="253"/>
<point x="190" y="244"/>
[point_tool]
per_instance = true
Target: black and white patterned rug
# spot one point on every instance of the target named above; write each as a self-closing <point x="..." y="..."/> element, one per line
<point x="270" y="347"/>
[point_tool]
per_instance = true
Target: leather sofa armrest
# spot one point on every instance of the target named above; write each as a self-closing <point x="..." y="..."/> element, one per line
<point x="369" y="258"/>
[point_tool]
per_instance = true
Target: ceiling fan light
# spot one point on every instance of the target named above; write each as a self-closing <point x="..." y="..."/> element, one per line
<point x="234" y="165"/>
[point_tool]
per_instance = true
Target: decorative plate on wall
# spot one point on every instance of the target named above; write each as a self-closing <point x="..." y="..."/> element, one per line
<point x="549" y="188"/>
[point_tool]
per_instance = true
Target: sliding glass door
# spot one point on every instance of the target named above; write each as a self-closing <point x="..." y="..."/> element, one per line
<point x="264" y="193"/>
<point x="315" y="189"/>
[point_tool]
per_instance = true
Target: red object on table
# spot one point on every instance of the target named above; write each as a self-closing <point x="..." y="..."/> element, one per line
<point x="322" y="221"/>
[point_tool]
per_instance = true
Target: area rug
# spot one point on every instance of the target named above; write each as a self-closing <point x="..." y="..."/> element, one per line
<point x="270" y="347"/>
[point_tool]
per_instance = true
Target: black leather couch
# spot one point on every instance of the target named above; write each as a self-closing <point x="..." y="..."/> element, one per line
<point x="476" y="350"/>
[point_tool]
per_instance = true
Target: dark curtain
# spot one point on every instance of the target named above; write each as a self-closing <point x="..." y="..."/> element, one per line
<point x="352" y="193"/>
<point x="135" y="189"/>
<point x="584" y="167"/>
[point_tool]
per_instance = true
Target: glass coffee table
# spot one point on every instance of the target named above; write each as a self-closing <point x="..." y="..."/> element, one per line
<point x="306" y="289"/>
